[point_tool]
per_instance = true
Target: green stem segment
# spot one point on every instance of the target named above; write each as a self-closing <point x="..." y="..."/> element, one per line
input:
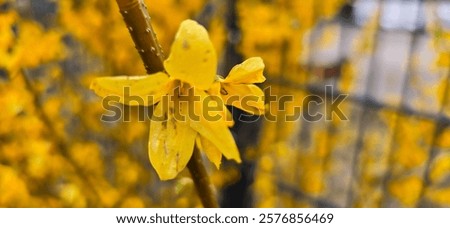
<point x="137" y="19"/>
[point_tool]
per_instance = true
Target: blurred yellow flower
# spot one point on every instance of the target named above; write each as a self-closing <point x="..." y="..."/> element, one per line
<point x="191" y="69"/>
<point x="406" y="190"/>
<point x="13" y="189"/>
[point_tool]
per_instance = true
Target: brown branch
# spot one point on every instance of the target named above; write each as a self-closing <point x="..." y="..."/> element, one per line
<point x="204" y="187"/>
<point x="137" y="19"/>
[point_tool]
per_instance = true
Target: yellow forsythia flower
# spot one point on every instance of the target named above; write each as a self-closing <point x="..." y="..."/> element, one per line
<point x="191" y="73"/>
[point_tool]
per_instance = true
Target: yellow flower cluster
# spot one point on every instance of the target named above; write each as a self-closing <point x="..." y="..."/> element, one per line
<point x="275" y="30"/>
<point x="18" y="37"/>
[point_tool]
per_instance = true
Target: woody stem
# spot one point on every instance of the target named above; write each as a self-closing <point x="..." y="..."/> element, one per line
<point x="138" y="22"/>
<point x="204" y="187"/>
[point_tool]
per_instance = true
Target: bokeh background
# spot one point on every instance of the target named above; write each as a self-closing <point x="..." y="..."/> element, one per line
<point x="391" y="57"/>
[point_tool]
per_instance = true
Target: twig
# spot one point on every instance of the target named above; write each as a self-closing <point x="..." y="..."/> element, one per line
<point x="137" y="19"/>
<point x="204" y="187"/>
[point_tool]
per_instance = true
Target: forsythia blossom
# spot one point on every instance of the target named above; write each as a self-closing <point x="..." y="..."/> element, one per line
<point x="183" y="95"/>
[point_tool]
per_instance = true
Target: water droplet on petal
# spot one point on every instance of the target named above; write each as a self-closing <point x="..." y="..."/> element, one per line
<point x="153" y="49"/>
<point x="147" y="30"/>
<point x="125" y="12"/>
<point x="142" y="50"/>
<point x="130" y="28"/>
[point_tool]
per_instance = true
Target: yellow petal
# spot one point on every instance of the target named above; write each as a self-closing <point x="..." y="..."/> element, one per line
<point x="132" y="90"/>
<point x="211" y="151"/>
<point x="215" y="132"/>
<point x="192" y="57"/>
<point x="214" y="91"/>
<point x="248" y="72"/>
<point x="247" y="97"/>
<point x="216" y="107"/>
<point x="227" y="117"/>
<point x="170" y="144"/>
<point x="215" y="87"/>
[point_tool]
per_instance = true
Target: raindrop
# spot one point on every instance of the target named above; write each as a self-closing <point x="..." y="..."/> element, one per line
<point x="142" y="50"/>
<point x="153" y="49"/>
<point x="125" y="12"/>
